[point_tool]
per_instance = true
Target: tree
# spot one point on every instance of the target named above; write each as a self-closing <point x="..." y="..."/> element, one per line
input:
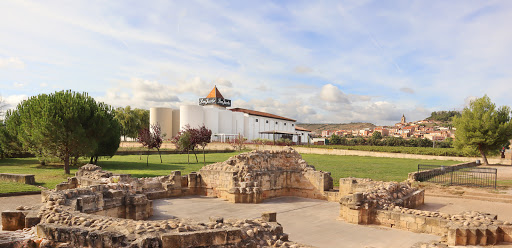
<point x="151" y="138"/>
<point x="132" y="120"/>
<point x="335" y="140"/>
<point x="204" y="137"/>
<point x="483" y="127"/>
<point x="3" y="105"/>
<point x="64" y="125"/>
<point x="377" y="135"/>
<point x="183" y="143"/>
<point x="238" y="142"/>
<point x="375" y="139"/>
<point x="108" y="145"/>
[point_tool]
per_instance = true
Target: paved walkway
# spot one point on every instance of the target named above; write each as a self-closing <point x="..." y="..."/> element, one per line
<point x="12" y="202"/>
<point x="452" y="205"/>
<point x="307" y="221"/>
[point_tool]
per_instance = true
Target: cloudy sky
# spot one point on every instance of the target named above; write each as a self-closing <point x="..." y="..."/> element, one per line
<point x="314" y="61"/>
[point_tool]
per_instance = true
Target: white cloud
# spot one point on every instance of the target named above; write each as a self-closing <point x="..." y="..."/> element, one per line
<point x="331" y="93"/>
<point x="18" y="84"/>
<point x="11" y="62"/>
<point x="140" y="93"/>
<point x="12" y="101"/>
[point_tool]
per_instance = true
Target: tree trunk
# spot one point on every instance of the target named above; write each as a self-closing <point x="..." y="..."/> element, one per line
<point x="160" y="155"/>
<point x="204" y="157"/>
<point x="96" y="160"/>
<point x="66" y="164"/>
<point x="147" y="159"/>
<point x="483" y="155"/>
<point x="90" y="162"/>
<point x="195" y="154"/>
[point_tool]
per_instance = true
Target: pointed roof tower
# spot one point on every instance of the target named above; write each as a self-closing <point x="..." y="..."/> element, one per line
<point x="214" y="93"/>
<point x="215" y="98"/>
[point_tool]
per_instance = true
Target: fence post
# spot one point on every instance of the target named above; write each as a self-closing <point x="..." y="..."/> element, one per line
<point x="451" y="176"/>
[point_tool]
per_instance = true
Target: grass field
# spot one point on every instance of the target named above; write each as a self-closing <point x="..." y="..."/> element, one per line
<point x="48" y="176"/>
<point x="383" y="169"/>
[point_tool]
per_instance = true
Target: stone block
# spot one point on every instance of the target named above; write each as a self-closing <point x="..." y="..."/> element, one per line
<point x="408" y="218"/>
<point x="269" y="216"/>
<point x="18" y="178"/>
<point x="471" y="234"/>
<point x="420" y="220"/>
<point x="202" y="238"/>
<point x="13" y="220"/>
<point x="31" y="219"/>
<point x="432" y="221"/>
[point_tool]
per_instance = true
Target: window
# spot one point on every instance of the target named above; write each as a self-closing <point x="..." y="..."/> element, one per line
<point x="256" y="120"/>
<point x="293" y="125"/>
<point x="266" y="121"/>
<point x="276" y="122"/>
<point x="285" y="123"/>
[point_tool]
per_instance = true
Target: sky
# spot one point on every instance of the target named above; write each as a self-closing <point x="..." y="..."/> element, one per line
<point x="313" y="61"/>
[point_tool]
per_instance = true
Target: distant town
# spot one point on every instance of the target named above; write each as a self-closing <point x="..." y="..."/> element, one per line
<point x="429" y="129"/>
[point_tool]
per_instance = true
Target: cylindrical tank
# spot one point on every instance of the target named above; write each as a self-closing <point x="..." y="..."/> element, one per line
<point x="162" y="117"/>
<point x="211" y="119"/>
<point x="175" y="122"/>
<point x="225" y="121"/>
<point x="191" y="115"/>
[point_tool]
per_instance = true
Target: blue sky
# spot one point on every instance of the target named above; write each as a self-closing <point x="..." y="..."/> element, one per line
<point x="314" y="61"/>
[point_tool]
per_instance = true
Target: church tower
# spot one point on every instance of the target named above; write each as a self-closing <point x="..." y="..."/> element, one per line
<point x="403" y="119"/>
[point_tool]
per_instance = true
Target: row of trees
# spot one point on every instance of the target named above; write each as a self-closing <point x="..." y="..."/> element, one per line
<point x="64" y="125"/>
<point x="378" y="140"/>
<point x="132" y="121"/>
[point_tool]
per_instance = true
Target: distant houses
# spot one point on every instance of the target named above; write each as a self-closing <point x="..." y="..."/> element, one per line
<point x="407" y="130"/>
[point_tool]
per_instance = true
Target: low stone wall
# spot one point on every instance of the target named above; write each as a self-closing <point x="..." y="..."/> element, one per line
<point x="18" y="178"/>
<point x="427" y="174"/>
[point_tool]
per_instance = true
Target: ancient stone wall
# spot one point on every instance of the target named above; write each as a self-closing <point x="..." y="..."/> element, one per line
<point x="114" y="200"/>
<point x="391" y="204"/>
<point x="254" y="176"/>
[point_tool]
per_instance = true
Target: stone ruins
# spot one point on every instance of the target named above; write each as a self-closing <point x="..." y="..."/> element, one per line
<point x="97" y="208"/>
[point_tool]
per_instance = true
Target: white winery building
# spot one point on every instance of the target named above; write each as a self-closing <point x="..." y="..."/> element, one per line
<point x="226" y="123"/>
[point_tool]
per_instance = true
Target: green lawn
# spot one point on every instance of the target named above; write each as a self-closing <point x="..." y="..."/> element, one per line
<point x="50" y="175"/>
<point x="383" y="169"/>
<point x="387" y="169"/>
<point x="8" y="187"/>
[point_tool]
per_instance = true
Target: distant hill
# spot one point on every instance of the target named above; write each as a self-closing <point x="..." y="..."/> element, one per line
<point x="319" y="127"/>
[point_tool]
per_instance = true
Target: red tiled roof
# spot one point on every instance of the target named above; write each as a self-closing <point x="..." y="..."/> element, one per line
<point x="301" y="129"/>
<point x="214" y="93"/>
<point x="258" y="113"/>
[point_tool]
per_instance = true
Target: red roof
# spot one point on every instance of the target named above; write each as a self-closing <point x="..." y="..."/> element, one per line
<point x="301" y="129"/>
<point x="214" y="93"/>
<point x="258" y="113"/>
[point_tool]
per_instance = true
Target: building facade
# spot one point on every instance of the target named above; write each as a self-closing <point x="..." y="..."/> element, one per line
<point x="227" y="124"/>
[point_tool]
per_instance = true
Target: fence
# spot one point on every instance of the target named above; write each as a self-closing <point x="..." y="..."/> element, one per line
<point x="458" y="175"/>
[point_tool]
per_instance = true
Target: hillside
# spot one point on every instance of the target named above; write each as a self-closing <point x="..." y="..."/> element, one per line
<point x="319" y="127"/>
